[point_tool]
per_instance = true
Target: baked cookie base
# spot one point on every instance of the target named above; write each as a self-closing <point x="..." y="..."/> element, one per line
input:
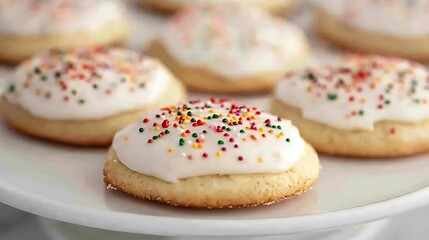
<point x="351" y="38"/>
<point x="215" y="191"/>
<point x="203" y="80"/>
<point x="387" y="139"/>
<point x="276" y="7"/>
<point x="15" y="48"/>
<point x="98" y="132"/>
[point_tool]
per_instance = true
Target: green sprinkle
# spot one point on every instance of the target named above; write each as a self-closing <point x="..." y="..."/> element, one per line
<point x="387" y="102"/>
<point x="220" y="142"/>
<point x="209" y="117"/>
<point x="331" y="96"/>
<point x="274" y="126"/>
<point x="194" y="135"/>
<point x="74" y="92"/>
<point x="242" y="131"/>
<point x="167" y="131"/>
<point x="189" y="113"/>
<point x="268" y="125"/>
<point x="95" y="86"/>
<point x="224" y="120"/>
<point x="182" y="140"/>
<point x="361" y="112"/>
<point x="228" y="129"/>
<point x="155" y="137"/>
<point x="81" y="101"/>
<point x="181" y="143"/>
<point x="215" y="116"/>
<point x="141" y="130"/>
<point x="123" y="80"/>
<point x="12" y="88"/>
<point x="279" y="127"/>
<point x="223" y="127"/>
<point x="287" y="139"/>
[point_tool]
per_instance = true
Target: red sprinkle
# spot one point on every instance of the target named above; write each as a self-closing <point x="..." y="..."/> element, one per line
<point x="146" y="120"/>
<point x="165" y="123"/>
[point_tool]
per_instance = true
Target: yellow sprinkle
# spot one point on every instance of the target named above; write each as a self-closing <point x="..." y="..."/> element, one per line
<point x="182" y="126"/>
<point x="228" y="115"/>
<point x="170" y="149"/>
<point x="362" y="100"/>
<point x="172" y="114"/>
<point x="253" y="117"/>
<point x="246" y="114"/>
<point x="199" y="115"/>
<point x="309" y="89"/>
<point x="219" y="153"/>
<point x="125" y="138"/>
<point x="157" y="129"/>
<point x="212" y="111"/>
<point x="261" y="129"/>
<point x="260" y="160"/>
<point x="244" y="139"/>
<point x="194" y="146"/>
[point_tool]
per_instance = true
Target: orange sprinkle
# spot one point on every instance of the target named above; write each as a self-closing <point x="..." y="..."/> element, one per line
<point x="170" y="149"/>
<point x="253" y="137"/>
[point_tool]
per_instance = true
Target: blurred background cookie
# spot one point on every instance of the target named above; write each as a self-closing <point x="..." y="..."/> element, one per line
<point x="211" y="154"/>
<point x="366" y="106"/>
<point x="280" y="7"/>
<point x="84" y="96"/>
<point x="229" y="48"/>
<point x="396" y="27"/>
<point x="29" y="27"/>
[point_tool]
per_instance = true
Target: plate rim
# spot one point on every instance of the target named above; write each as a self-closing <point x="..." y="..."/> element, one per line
<point x="178" y="226"/>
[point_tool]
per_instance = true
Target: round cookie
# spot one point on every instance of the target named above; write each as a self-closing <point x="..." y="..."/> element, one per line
<point x="279" y="7"/>
<point x="219" y="48"/>
<point x="84" y="96"/>
<point x="201" y="154"/>
<point x="29" y="27"/>
<point x="367" y="106"/>
<point x="397" y="28"/>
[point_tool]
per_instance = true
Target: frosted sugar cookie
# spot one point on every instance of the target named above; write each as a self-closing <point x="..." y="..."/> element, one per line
<point x="30" y="27"/>
<point x="280" y="7"/>
<point x="367" y="106"/>
<point x="397" y="27"/>
<point x="229" y="49"/>
<point x="84" y="96"/>
<point x="211" y="155"/>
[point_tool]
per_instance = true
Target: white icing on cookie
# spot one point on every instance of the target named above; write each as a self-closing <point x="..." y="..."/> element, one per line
<point x="361" y="91"/>
<point x="232" y="41"/>
<point x="211" y="142"/>
<point x="397" y="17"/>
<point x="87" y="83"/>
<point x="36" y="17"/>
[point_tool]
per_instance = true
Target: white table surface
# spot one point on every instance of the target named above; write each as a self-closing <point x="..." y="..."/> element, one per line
<point x="410" y="226"/>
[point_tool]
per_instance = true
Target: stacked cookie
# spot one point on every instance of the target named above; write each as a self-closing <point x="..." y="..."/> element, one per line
<point x="229" y="49"/>
<point x="280" y="7"/>
<point x="31" y="27"/>
<point x="397" y="27"/>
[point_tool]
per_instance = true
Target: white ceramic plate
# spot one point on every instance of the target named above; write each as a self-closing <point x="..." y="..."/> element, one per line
<point x="65" y="183"/>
